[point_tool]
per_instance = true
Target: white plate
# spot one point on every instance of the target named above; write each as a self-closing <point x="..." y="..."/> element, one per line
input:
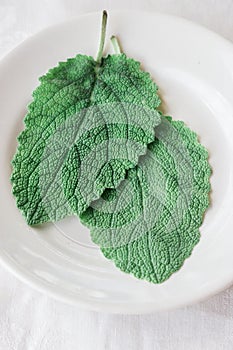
<point x="194" y="70"/>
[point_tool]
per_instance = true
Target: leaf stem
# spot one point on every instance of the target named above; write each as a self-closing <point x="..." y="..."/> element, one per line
<point x="102" y="37"/>
<point x="116" y="45"/>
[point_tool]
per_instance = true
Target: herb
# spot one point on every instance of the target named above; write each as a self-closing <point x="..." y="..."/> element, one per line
<point x="68" y="96"/>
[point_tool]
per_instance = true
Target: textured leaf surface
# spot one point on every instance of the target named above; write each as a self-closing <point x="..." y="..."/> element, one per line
<point x="67" y="91"/>
<point x="150" y="224"/>
<point x="100" y="157"/>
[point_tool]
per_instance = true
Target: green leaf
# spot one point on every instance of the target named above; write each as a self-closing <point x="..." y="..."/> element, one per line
<point x="150" y="224"/>
<point x="63" y="100"/>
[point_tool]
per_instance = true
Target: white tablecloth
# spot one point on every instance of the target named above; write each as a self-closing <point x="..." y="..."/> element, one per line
<point x="30" y="320"/>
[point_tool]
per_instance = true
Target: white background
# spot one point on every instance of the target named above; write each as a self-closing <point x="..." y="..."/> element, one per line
<point x="30" y="320"/>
